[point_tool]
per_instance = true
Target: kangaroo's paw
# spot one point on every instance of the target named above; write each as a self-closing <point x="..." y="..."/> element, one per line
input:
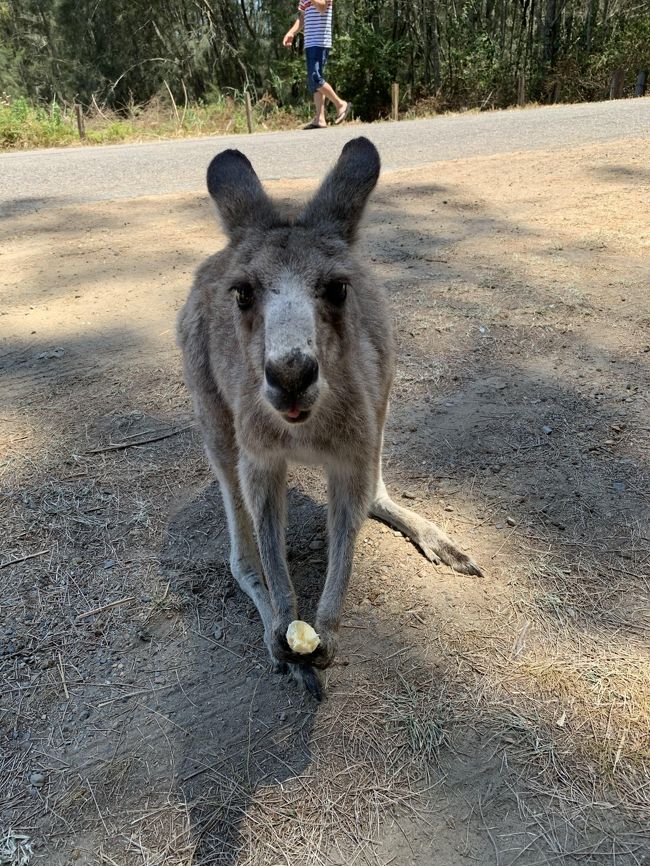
<point x="323" y="656"/>
<point x="437" y="548"/>
<point x="304" y="675"/>
<point x="308" y="678"/>
<point x="279" y="667"/>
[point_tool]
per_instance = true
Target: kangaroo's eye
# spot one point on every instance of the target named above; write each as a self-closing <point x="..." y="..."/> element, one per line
<point x="244" y="295"/>
<point x="336" y="291"/>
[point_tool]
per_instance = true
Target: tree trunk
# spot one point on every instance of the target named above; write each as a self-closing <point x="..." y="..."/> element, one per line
<point x="592" y="14"/>
<point x="435" y="46"/>
<point x="550" y="32"/>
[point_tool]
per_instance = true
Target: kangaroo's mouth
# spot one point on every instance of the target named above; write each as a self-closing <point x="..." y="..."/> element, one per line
<point x="295" y="408"/>
<point x="295" y="415"/>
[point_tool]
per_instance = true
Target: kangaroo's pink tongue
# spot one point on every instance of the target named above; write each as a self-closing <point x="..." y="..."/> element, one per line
<point x="293" y="413"/>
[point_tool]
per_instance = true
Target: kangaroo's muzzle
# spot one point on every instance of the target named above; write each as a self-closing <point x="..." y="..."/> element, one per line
<point x="292" y="386"/>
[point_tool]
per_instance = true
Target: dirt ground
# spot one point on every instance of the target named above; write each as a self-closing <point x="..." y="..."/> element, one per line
<point x="488" y="721"/>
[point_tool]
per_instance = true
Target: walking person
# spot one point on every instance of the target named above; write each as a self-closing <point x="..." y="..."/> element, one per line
<point x="315" y="19"/>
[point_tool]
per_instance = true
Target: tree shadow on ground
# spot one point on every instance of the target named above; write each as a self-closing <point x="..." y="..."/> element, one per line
<point x="210" y="731"/>
<point x="622" y="173"/>
<point x="258" y="722"/>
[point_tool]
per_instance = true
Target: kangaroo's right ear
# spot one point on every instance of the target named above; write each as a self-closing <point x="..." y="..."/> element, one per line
<point x="338" y="205"/>
<point x="238" y="194"/>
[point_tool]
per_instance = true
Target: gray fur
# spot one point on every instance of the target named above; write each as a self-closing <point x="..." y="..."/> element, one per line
<point x="296" y="351"/>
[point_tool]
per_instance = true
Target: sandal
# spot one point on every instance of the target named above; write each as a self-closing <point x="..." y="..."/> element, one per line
<point x="313" y="125"/>
<point x="343" y="115"/>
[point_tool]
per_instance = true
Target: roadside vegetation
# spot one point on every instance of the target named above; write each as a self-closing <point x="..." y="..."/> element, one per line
<point x="24" y="124"/>
<point x="143" y="70"/>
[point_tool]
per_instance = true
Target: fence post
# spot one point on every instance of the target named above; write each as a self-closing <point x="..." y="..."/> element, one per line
<point x="249" y="111"/>
<point x="81" y="126"/>
<point x="641" y="81"/>
<point x="521" y="89"/>
<point x="394" y="92"/>
<point x="618" y="82"/>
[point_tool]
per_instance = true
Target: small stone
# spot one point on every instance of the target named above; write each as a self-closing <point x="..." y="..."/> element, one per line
<point x="282" y="717"/>
<point x="449" y="507"/>
<point x="51" y="353"/>
<point x="217" y="634"/>
<point x="510" y="521"/>
<point x="143" y="635"/>
<point x="547" y="430"/>
<point x="317" y="544"/>
<point x="408" y="495"/>
<point x="109" y="563"/>
<point x="37" y="780"/>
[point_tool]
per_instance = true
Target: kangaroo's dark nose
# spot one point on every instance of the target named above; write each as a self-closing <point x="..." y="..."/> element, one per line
<point x="293" y="373"/>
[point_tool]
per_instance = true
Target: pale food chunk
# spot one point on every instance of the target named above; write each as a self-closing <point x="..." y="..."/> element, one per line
<point x="301" y="637"/>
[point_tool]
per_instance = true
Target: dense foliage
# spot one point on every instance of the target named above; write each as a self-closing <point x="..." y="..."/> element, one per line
<point x="459" y="53"/>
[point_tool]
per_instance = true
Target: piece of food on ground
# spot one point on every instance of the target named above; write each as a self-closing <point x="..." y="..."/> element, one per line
<point x="301" y="637"/>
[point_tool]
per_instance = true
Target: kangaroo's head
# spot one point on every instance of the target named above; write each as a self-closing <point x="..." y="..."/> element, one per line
<point x="290" y="286"/>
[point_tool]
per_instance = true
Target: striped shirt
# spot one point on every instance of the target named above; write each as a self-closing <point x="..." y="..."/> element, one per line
<point x="318" y="25"/>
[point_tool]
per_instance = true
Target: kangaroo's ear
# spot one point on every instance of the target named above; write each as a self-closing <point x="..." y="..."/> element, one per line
<point x="339" y="203"/>
<point x="238" y="194"/>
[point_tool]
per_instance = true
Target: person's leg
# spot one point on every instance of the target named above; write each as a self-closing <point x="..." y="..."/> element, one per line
<point x="341" y="105"/>
<point x="315" y="80"/>
<point x="319" y="105"/>
<point x="328" y="92"/>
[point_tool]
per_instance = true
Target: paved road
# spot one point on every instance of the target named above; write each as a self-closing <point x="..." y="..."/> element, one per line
<point x="35" y="179"/>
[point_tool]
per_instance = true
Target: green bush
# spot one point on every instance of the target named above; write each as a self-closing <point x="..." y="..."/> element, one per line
<point x="25" y="125"/>
<point x="362" y="68"/>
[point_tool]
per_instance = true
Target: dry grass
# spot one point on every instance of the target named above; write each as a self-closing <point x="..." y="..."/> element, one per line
<point x="511" y="713"/>
<point x="570" y="711"/>
<point x="365" y="765"/>
<point x="23" y="125"/>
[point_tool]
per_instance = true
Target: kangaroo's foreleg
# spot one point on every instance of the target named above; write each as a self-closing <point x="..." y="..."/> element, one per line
<point x="349" y="489"/>
<point x="245" y="562"/>
<point x="264" y="484"/>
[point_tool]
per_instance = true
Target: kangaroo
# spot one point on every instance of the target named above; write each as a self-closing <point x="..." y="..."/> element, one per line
<point x="289" y="356"/>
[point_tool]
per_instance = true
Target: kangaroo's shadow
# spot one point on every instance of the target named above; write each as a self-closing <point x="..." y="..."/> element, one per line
<point x="245" y="727"/>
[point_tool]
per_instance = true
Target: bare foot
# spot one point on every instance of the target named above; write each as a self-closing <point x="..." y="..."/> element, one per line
<point x="343" y="113"/>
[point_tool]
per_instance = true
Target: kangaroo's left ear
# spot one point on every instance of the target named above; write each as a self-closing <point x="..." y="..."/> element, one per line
<point x="339" y="203"/>
<point x="238" y="194"/>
